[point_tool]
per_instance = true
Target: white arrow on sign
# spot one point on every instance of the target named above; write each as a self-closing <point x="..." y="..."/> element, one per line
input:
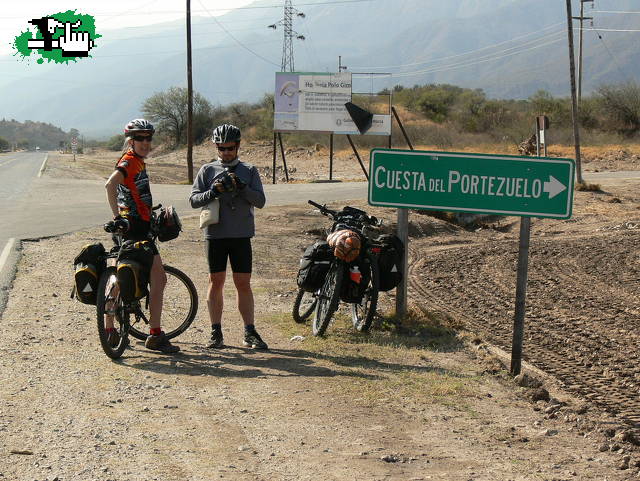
<point x="554" y="187"/>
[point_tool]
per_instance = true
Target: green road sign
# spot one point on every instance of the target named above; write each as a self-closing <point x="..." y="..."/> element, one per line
<point x="478" y="183"/>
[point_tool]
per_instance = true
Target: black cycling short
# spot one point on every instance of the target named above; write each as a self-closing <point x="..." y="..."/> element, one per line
<point x="237" y="250"/>
<point x="140" y="230"/>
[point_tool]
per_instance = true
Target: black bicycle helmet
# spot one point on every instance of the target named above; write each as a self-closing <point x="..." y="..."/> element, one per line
<point x="226" y="133"/>
<point x="138" y="125"/>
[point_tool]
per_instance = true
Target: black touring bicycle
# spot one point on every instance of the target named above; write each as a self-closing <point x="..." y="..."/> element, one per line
<point x="324" y="279"/>
<point x="116" y="282"/>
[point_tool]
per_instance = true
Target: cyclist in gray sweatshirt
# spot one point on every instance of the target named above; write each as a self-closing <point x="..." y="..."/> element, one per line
<point x="238" y="188"/>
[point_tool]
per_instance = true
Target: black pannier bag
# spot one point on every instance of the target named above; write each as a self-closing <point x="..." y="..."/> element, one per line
<point x="314" y="265"/>
<point x="169" y="225"/>
<point x="357" y="277"/>
<point x="89" y="266"/>
<point x="134" y="267"/>
<point x="390" y="261"/>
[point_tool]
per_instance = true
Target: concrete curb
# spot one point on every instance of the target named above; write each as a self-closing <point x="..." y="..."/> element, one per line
<point x="8" y="267"/>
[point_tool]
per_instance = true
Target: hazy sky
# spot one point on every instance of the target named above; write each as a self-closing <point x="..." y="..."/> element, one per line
<point x="108" y="15"/>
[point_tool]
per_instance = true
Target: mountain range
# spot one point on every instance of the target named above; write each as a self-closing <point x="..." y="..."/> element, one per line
<point x="508" y="48"/>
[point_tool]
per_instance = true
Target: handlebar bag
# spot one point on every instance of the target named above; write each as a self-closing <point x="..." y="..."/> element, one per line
<point x="89" y="265"/>
<point x="134" y="268"/>
<point x="390" y="261"/>
<point x="314" y="265"/>
<point x="169" y="225"/>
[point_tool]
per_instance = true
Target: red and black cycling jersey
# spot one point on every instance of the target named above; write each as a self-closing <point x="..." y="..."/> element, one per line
<point x="134" y="194"/>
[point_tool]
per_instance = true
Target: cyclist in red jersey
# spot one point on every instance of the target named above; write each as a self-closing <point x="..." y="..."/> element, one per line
<point x="129" y="196"/>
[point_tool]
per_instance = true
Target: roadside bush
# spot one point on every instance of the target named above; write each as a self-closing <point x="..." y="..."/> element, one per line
<point x="115" y="143"/>
<point x="621" y="106"/>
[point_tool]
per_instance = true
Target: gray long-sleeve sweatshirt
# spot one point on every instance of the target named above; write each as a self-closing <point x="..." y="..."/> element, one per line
<point x="236" y="208"/>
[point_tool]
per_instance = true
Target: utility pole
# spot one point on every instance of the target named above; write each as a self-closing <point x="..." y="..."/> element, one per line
<point x="581" y="18"/>
<point x="340" y="66"/>
<point x="574" y="102"/>
<point x="288" y="65"/>
<point x="189" y="99"/>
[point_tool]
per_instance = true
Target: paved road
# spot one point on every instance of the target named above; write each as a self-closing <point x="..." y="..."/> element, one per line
<point x="34" y="207"/>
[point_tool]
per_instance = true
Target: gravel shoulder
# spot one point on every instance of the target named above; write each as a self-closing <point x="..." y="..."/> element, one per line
<point x="425" y="400"/>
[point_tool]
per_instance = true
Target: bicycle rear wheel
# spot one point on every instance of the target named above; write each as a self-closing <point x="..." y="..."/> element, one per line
<point x="303" y="306"/>
<point x="362" y="313"/>
<point x="108" y="301"/>
<point x="179" y="306"/>
<point x="328" y="298"/>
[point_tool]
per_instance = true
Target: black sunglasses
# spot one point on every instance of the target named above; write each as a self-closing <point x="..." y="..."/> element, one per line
<point x="141" y="138"/>
<point x="222" y="149"/>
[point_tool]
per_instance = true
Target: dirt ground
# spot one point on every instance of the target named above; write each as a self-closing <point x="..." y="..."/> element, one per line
<point x="427" y="398"/>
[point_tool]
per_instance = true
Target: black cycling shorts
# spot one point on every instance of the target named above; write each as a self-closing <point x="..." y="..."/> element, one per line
<point x="140" y="230"/>
<point x="238" y="251"/>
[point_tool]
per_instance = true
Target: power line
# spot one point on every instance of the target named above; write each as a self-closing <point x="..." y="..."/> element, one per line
<point x="256" y="7"/>
<point x="613" y="11"/>
<point x="488" y="58"/>
<point x="235" y="39"/>
<point x="610" y="30"/>
<point x="468" y="52"/>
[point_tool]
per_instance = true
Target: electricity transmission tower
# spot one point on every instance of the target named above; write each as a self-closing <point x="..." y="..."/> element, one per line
<point x="287" y="64"/>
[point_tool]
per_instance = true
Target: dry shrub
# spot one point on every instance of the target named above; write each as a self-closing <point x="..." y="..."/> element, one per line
<point x="586" y="187"/>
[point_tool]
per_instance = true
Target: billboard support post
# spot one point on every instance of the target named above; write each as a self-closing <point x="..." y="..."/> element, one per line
<point x="275" y="153"/>
<point x="355" y="151"/>
<point x="331" y="157"/>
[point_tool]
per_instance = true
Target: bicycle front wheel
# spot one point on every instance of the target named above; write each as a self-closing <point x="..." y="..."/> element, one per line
<point x="363" y="312"/>
<point x="109" y="304"/>
<point x="303" y="306"/>
<point x="179" y="307"/>
<point x="328" y="298"/>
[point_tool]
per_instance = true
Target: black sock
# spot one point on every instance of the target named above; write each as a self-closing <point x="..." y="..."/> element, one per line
<point x="250" y="328"/>
<point x="216" y="327"/>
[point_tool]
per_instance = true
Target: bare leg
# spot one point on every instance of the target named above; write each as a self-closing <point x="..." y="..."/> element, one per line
<point x="242" y="282"/>
<point x="215" y="297"/>
<point x="158" y="281"/>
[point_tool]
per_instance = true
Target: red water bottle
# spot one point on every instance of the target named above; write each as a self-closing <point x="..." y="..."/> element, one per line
<point x="355" y="275"/>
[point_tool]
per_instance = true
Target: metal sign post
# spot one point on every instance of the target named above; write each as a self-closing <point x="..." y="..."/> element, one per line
<point x="74" y="147"/>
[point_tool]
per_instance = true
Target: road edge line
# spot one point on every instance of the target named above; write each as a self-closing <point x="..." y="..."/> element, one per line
<point x="6" y="251"/>
<point x="44" y="165"/>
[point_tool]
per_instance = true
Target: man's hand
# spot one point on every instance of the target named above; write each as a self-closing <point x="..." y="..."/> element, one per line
<point x="239" y="183"/>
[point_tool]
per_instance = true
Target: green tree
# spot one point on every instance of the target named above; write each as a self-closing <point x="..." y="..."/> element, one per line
<point x="23" y="144"/>
<point x="115" y="143"/>
<point x="436" y="101"/>
<point x="169" y="111"/>
<point x="558" y="110"/>
<point x="621" y="106"/>
<point x="4" y="144"/>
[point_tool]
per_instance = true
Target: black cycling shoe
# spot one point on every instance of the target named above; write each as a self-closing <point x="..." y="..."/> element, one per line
<point x="216" y="341"/>
<point x="161" y="343"/>
<point x="253" y="339"/>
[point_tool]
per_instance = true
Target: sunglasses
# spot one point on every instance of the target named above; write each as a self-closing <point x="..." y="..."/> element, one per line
<point x="229" y="149"/>
<point x="141" y="138"/>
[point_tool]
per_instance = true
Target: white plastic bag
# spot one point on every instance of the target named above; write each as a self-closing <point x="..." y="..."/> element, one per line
<point x="210" y="214"/>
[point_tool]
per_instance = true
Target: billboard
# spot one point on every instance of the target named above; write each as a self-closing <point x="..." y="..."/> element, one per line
<point x="315" y="102"/>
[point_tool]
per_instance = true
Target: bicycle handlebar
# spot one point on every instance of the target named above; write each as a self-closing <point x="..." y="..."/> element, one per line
<point x="335" y="215"/>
